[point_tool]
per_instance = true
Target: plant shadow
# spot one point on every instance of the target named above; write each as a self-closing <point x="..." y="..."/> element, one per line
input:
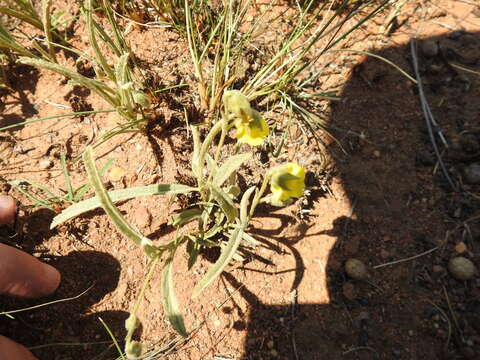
<point x="88" y="277"/>
<point x="22" y="80"/>
<point x="402" y="206"/>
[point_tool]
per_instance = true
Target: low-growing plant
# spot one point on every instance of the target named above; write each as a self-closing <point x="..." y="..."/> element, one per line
<point x="117" y="84"/>
<point x="222" y="211"/>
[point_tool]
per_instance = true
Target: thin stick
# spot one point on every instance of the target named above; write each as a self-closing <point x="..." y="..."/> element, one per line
<point x="45" y="304"/>
<point x="451" y="310"/>
<point x="362" y="348"/>
<point x="456" y="66"/>
<point x="406" y="259"/>
<point x="428" y="114"/>
<point x="446" y="318"/>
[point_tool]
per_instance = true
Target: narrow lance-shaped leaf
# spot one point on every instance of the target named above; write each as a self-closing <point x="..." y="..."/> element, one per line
<point x="185" y="216"/>
<point x="244" y="206"/>
<point x="112" y="211"/>
<point x="101" y="89"/>
<point x="217" y="268"/>
<point x="225" y="202"/>
<point x="170" y="303"/>
<point x="119" y="195"/>
<point x="229" y="167"/>
<point x="230" y="249"/>
<point x="93" y="42"/>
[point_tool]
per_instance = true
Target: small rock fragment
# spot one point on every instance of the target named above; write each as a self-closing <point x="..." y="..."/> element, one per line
<point x="376" y="154"/>
<point x="116" y="173"/>
<point x="430" y="48"/>
<point x="425" y="158"/>
<point x="384" y="254"/>
<point x="270" y="344"/>
<point x="363" y="316"/>
<point x="349" y="291"/>
<point x="143" y="217"/>
<point x="469" y="143"/>
<point x="352" y="244"/>
<point x="460" y="247"/>
<point x="471" y="174"/>
<point x="45" y="164"/>
<point x="356" y="269"/>
<point x="461" y="268"/>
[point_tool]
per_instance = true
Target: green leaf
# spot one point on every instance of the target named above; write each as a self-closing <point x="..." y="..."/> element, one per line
<point x="225" y="257"/>
<point x="119" y="195"/>
<point x="107" y="204"/>
<point x="170" y="303"/>
<point x="211" y="165"/>
<point x="101" y="89"/>
<point x="215" y="229"/>
<point x="225" y="202"/>
<point x="250" y="239"/>
<point x="230" y="165"/>
<point x="185" y="216"/>
<point x="244" y="205"/>
<point x="94" y="44"/>
<point x="193" y="249"/>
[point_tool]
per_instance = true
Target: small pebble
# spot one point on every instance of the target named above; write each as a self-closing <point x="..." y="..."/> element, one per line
<point x="469" y="143"/>
<point x="425" y="158"/>
<point x="471" y="174"/>
<point x="45" y="164"/>
<point x="363" y="316"/>
<point x="356" y="269"/>
<point x="270" y="344"/>
<point x="384" y="254"/>
<point x="460" y="247"/>
<point x="461" y="268"/>
<point x="116" y="173"/>
<point x="349" y="291"/>
<point x="376" y="154"/>
<point x="430" y="48"/>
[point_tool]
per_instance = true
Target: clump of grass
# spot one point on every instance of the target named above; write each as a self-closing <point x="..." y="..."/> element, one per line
<point x="169" y="13"/>
<point x="116" y="84"/>
<point x="281" y="79"/>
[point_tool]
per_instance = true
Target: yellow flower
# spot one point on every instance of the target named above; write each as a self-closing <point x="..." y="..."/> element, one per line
<point x="237" y="103"/>
<point x="287" y="181"/>
<point x="252" y="131"/>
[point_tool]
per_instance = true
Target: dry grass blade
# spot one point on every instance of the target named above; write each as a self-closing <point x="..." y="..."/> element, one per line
<point x="427" y="112"/>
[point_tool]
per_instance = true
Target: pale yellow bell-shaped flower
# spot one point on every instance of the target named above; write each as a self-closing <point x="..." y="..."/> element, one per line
<point x="252" y="132"/>
<point x="287" y="181"/>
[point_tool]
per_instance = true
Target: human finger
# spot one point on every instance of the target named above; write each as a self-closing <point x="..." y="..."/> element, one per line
<point x="8" y="209"/>
<point x="23" y="275"/>
<point x="10" y="350"/>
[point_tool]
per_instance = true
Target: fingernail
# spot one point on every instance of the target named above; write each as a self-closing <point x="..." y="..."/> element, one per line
<point x="51" y="279"/>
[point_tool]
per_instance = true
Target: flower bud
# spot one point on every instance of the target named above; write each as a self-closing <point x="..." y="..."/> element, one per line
<point x="131" y="323"/>
<point x="142" y="99"/>
<point x="238" y="104"/>
<point x="133" y="350"/>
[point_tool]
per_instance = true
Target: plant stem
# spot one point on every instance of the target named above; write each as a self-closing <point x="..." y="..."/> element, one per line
<point x="138" y="302"/>
<point x="258" y="195"/>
